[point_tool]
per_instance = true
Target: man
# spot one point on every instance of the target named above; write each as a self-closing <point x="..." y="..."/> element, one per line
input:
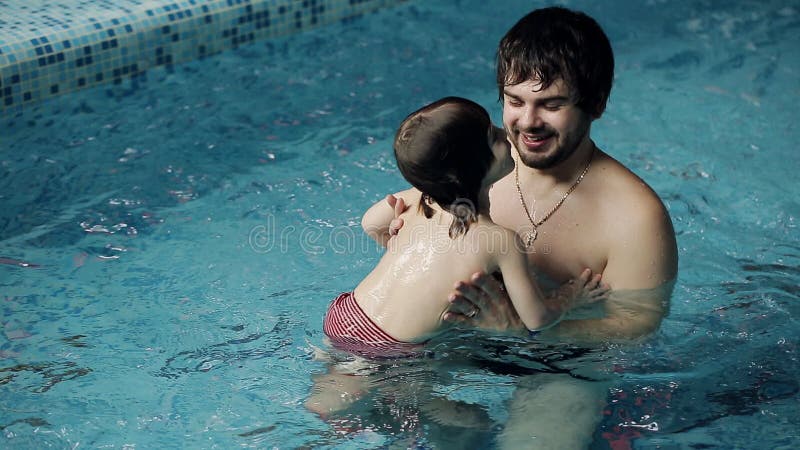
<point x="574" y="207"/>
<point x="572" y="203"/>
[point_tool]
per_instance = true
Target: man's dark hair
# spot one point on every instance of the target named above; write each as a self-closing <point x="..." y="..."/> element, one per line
<point x="553" y="43"/>
<point x="442" y="149"/>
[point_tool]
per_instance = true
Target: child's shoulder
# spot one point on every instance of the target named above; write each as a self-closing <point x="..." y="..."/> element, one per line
<point x="410" y="196"/>
<point x="491" y="232"/>
<point x="484" y="221"/>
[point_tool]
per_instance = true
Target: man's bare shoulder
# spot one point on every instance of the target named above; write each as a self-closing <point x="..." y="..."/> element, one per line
<point x="626" y="198"/>
<point x="641" y="246"/>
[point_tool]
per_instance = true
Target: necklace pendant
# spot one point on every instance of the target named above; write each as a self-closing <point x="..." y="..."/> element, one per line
<point x="531" y="237"/>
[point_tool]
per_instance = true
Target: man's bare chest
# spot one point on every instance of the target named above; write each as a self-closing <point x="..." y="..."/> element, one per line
<point x="572" y="239"/>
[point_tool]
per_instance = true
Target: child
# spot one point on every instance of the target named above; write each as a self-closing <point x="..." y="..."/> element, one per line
<point x="452" y="154"/>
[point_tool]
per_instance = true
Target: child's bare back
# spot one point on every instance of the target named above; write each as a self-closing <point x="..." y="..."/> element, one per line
<point x="406" y="294"/>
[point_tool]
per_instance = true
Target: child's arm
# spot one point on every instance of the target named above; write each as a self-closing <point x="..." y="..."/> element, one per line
<point x="537" y="312"/>
<point x="378" y="220"/>
<point x="525" y="294"/>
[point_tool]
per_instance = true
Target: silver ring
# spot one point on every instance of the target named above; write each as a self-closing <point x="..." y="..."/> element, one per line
<point x="473" y="313"/>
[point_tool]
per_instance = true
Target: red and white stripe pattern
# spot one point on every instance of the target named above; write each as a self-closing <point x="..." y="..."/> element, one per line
<point x="349" y="328"/>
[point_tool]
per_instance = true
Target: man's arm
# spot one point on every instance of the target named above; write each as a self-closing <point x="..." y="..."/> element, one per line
<point x="641" y="269"/>
<point x="630" y="314"/>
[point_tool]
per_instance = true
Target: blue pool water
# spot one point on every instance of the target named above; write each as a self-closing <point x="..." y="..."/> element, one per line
<point x="184" y="239"/>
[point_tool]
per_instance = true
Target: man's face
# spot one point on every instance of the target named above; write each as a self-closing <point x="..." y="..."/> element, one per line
<point x="544" y="125"/>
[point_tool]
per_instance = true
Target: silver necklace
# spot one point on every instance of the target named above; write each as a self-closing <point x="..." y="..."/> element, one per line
<point x="531" y="235"/>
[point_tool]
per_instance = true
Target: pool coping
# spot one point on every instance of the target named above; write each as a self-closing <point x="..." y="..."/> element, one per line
<point x="120" y="42"/>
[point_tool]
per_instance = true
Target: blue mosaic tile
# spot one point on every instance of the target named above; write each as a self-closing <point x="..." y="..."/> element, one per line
<point x="51" y="48"/>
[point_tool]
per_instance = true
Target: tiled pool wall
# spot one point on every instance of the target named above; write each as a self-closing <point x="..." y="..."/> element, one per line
<point x="49" y="48"/>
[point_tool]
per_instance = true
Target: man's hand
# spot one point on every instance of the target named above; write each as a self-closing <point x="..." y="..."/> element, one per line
<point x="483" y="303"/>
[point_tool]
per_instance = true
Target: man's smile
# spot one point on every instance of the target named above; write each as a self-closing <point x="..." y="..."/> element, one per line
<point x="535" y="141"/>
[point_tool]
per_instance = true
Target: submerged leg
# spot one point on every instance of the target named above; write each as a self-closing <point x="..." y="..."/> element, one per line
<point x="333" y="392"/>
<point x="553" y="412"/>
<point x="454" y="413"/>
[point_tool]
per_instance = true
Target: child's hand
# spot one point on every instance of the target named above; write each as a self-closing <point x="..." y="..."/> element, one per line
<point x="584" y="290"/>
<point x="399" y="206"/>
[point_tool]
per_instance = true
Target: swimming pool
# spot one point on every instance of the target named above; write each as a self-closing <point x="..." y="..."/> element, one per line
<point x="186" y="237"/>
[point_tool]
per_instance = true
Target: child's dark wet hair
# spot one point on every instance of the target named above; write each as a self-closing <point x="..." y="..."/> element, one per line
<point x="442" y="149"/>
